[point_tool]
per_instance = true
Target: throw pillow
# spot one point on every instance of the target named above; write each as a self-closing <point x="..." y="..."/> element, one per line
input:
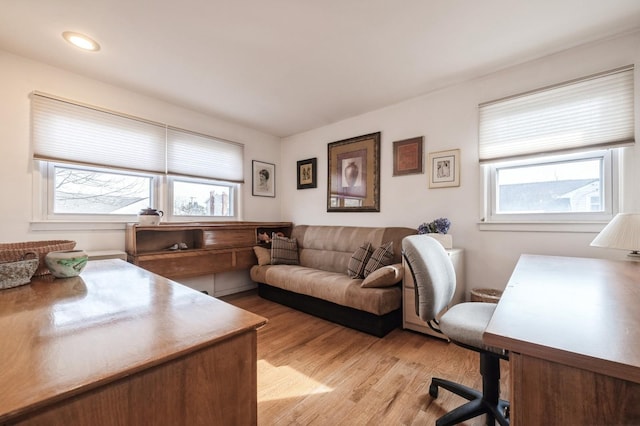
<point x="386" y="276"/>
<point x="263" y="254"/>
<point x="359" y="260"/>
<point x="284" y="251"/>
<point x="382" y="256"/>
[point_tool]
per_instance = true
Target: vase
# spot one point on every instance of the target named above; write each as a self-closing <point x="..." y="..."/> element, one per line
<point x="150" y="217"/>
<point x="445" y="239"/>
<point x="351" y="173"/>
<point x="65" y="264"/>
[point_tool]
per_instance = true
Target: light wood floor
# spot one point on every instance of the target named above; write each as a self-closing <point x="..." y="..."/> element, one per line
<point x="314" y="372"/>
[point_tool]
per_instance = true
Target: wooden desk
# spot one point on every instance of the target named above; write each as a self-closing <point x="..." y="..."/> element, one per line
<point x="120" y="345"/>
<point x="572" y="326"/>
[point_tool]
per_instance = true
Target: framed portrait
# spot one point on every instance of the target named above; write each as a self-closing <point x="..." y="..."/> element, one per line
<point x="307" y="173"/>
<point x="264" y="179"/>
<point x="444" y="168"/>
<point x="407" y="157"/>
<point x="354" y="174"/>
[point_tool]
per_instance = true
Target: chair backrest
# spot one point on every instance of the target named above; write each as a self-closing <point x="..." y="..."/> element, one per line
<point x="433" y="274"/>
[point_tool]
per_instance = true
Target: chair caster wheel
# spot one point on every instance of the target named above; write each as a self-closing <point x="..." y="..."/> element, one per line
<point x="433" y="391"/>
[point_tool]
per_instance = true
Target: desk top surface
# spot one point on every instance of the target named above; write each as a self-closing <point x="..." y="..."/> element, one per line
<point x="60" y="337"/>
<point x="576" y="311"/>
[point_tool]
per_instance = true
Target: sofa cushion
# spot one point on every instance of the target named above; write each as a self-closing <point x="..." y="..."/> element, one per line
<point x="382" y="256"/>
<point x="359" y="261"/>
<point x="334" y="287"/>
<point x="263" y="255"/>
<point x="386" y="276"/>
<point x="284" y="251"/>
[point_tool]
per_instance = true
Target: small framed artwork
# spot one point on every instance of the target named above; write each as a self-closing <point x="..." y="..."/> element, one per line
<point x="354" y="174"/>
<point x="407" y="157"/>
<point x="307" y="173"/>
<point x="444" y="168"/>
<point x="264" y="179"/>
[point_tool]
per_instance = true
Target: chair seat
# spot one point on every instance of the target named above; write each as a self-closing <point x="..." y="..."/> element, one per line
<point x="465" y="323"/>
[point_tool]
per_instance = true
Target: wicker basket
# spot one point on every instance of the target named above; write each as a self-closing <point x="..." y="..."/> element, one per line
<point x="487" y="295"/>
<point x="13" y="252"/>
<point x="14" y="274"/>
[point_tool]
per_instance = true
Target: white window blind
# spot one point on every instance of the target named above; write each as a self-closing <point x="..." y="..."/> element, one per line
<point x="589" y="113"/>
<point x="68" y="131"/>
<point x="191" y="154"/>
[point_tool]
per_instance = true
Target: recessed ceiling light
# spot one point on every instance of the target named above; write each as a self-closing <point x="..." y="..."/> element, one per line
<point x="81" y="41"/>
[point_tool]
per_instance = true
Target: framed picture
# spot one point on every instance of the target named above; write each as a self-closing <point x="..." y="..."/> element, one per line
<point x="354" y="174"/>
<point x="264" y="179"/>
<point x="444" y="168"/>
<point x="407" y="157"/>
<point x="307" y="173"/>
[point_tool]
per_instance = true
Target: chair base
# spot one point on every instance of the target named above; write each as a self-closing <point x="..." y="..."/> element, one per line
<point x="486" y="402"/>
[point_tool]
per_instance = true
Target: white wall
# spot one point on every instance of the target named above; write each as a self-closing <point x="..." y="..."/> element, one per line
<point x="20" y="76"/>
<point x="448" y="119"/>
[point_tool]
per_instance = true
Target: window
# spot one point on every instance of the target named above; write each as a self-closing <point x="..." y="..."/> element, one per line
<point x="199" y="198"/>
<point x="551" y="154"/>
<point x="565" y="187"/>
<point x="103" y="165"/>
<point x="92" y="191"/>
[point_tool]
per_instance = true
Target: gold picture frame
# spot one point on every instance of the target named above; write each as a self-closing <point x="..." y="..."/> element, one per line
<point x="354" y="174"/>
<point x="444" y="168"/>
<point x="407" y="156"/>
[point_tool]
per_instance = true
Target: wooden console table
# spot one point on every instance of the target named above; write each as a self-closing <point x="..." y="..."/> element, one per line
<point x="572" y="327"/>
<point x="121" y="346"/>
<point x="211" y="247"/>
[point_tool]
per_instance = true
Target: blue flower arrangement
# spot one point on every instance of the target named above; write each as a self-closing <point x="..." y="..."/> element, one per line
<point x="440" y="226"/>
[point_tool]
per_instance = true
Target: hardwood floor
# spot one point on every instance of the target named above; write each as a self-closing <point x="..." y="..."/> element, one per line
<point x="314" y="372"/>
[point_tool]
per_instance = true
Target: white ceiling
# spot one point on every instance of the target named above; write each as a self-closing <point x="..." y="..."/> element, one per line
<point x="286" y="66"/>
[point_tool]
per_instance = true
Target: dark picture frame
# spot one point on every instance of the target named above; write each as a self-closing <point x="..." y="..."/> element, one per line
<point x="354" y="174"/>
<point x="307" y="173"/>
<point x="444" y="168"/>
<point x="263" y="179"/>
<point x="407" y="156"/>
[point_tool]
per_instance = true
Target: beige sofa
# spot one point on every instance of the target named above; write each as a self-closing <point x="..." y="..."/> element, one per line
<point x="319" y="284"/>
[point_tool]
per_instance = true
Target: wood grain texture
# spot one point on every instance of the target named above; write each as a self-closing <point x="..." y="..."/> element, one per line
<point x="572" y="327"/>
<point x="551" y="393"/>
<point x="314" y="372"/>
<point x="213" y="247"/>
<point x="114" y="342"/>
<point x="576" y="311"/>
<point x="214" y="385"/>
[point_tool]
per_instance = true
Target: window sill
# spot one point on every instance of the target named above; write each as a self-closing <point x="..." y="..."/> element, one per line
<point x="97" y="225"/>
<point x="76" y="226"/>
<point x="578" y="227"/>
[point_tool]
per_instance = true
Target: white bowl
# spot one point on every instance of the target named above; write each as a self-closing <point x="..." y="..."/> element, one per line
<point x="64" y="264"/>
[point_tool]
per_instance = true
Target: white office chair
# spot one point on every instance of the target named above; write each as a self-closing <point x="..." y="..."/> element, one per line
<point x="464" y="324"/>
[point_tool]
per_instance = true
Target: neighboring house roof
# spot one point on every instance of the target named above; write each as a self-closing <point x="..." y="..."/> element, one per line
<point x="540" y="196"/>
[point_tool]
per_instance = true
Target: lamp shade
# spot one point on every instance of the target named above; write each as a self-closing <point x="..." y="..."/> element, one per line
<point x="623" y="232"/>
